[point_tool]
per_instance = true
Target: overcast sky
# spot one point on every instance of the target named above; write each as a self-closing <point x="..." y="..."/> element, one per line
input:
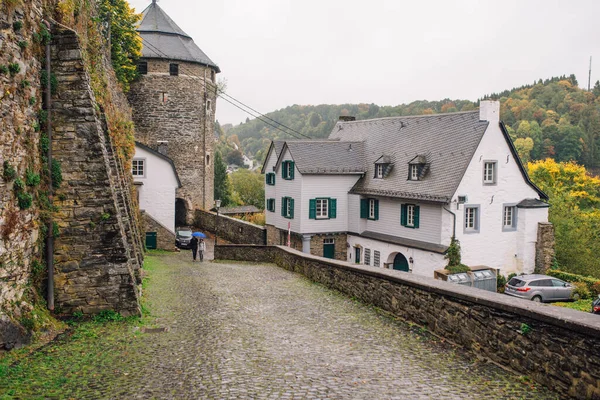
<point x="276" y="53"/>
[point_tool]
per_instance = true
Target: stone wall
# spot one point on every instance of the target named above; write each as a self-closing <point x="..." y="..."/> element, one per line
<point x="544" y="248"/>
<point x="340" y="241"/>
<point x="97" y="252"/>
<point x="231" y="229"/>
<point x="181" y="110"/>
<point x="20" y="100"/>
<point x="555" y="346"/>
<point x="165" y="239"/>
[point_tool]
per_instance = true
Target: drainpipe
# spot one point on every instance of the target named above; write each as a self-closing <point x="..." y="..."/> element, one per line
<point x="453" y="222"/>
<point x="50" y="237"/>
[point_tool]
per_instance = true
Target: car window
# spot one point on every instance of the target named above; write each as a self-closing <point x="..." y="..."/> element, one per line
<point x="558" y="283"/>
<point x="535" y="283"/>
<point x="545" y="282"/>
<point x="185" y="233"/>
<point x="516" y="282"/>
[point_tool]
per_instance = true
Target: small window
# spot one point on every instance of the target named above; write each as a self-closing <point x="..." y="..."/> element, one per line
<point x="213" y="75"/>
<point x="174" y="69"/>
<point x="270" y="178"/>
<point x="509" y="218"/>
<point x="287" y="170"/>
<point x="322" y="208"/>
<point x="489" y="172"/>
<point x="271" y="205"/>
<point x="409" y="215"/>
<point x="164" y="97"/>
<point x="142" y="67"/>
<point x="367" y="256"/>
<point x="372" y="207"/>
<point x="138" y="168"/>
<point x="287" y="207"/>
<point x="376" y="258"/>
<point x="328" y="241"/>
<point x="208" y="107"/>
<point x="414" y="172"/>
<point x="471" y="219"/>
<point x="379" y="171"/>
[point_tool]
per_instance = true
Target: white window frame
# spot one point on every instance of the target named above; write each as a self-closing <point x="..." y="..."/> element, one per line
<point x="472" y="218"/>
<point x="288" y="207"/>
<point x="328" y="241"/>
<point x="134" y="169"/>
<point x="489" y="172"/>
<point x="379" y="171"/>
<point x="414" y="172"/>
<point x="410" y="215"/>
<point x="322" y="212"/>
<point x="512" y="218"/>
<point x="372" y="208"/>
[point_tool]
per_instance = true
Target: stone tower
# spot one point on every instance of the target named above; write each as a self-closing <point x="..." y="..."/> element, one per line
<point x="174" y="104"/>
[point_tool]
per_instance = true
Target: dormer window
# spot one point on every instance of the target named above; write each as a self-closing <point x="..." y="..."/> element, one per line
<point x="379" y="171"/>
<point x="418" y="168"/>
<point x="383" y="167"/>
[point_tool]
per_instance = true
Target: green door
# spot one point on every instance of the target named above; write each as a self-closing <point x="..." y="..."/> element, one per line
<point x="357" y="255"/>
<point x="151" y="240"/>
<point x="329" y="250"/>
<point x="400" y="263"/>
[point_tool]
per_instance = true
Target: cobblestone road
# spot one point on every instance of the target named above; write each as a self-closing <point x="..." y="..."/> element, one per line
<point x="257" y="331"/>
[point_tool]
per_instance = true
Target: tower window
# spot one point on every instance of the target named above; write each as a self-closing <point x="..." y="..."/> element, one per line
<point x="174" y="69"/>
<point x="212" y="75"/>
<point x="208" y="107"/>
<point x="164" y="96"/>
<point x="142" y="67"/>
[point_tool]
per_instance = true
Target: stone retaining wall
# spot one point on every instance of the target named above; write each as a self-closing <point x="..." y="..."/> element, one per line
<point x="557" y="347"/>
<point x="231" y="229"/>
<point x="165" y="239"/>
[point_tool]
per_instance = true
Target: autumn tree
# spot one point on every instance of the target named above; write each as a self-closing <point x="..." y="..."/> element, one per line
<point x="248" y="188"/>
<point x="221" y="182"/>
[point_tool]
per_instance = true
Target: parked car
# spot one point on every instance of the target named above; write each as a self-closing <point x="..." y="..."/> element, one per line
<point x="183" y="237"/>
<point x="540" y="288"/>
<point x="596" y="306"/>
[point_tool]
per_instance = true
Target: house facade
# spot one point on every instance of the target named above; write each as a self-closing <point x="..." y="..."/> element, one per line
<point x="410" y="185"/>
<point x="156" y="181"/>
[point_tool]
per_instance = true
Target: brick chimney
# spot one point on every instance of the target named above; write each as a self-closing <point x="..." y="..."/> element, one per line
<point x="489" y="110"/>
<point x="347" y="118"/>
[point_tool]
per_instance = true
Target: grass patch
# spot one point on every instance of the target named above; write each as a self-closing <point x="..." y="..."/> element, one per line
<point x="100" y="349"/>
<point x="580" y="305"/>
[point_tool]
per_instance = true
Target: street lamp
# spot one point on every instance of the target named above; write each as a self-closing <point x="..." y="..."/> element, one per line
<point x="217" y="206"/>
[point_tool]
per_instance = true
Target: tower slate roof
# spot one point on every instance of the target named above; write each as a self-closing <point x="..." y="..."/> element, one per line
<point x="162" y="38"/>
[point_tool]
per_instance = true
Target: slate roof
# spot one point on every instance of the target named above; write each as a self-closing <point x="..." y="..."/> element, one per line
<point x="417" y="244"/>
<point x="448" y="142"/>
<point x="162" y="38"/>
<point x="326" y="156"/>
<point x="160" y="155"/>
<point x="276" y="146"/>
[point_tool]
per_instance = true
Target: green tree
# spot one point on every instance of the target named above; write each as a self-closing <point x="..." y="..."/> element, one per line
<point x="125" y="42"/>
<point x="222" y="185"/>
<point x="248" y="188"/>
<point x="524" y="147"/>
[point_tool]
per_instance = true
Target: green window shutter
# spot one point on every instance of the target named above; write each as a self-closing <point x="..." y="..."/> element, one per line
<point x="332" y="208"/>
<point x="417" y="216"/>
<point x="364" y="208"/>
<point x="283" y="206"/>
<point x="292" y="208"/>
<point x="283" y="168"/>
<point x="272" y="178"/>
<point x="292" y="170"/>
<point x="403" y="214"/>
<point x="376" y="210"/>
<point x="312" y="209"/>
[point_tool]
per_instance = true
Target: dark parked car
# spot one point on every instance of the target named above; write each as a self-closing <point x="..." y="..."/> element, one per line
<point x="596" y="306"/>
<point x="183" y="237"/>
<point x="540" y="288"/>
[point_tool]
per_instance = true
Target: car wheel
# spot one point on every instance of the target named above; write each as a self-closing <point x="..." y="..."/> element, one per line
<point x="576" y="296"/>
<point x="537" y="299"/>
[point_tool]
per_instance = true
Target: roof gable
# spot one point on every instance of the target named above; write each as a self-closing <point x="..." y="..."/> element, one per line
<point x="162" y="156"/>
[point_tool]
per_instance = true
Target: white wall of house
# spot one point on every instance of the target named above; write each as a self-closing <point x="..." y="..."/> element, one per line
<point x="424" y="262"/>
<point x="157" y="192"/>
<point x="330" y="186"/>
<point x="290" y="188"/>
<point x="509" y="251"/>
<point x="271" y="190"/>
<point x="430" y="221"/>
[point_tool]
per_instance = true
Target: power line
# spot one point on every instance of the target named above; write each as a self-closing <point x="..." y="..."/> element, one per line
<point x="263" y="118"/>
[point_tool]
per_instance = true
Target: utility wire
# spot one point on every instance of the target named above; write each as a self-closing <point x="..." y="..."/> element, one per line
<point x="241" y="106"/>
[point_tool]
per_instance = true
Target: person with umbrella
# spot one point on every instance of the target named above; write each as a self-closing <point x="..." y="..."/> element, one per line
<point x="196" y="240"/>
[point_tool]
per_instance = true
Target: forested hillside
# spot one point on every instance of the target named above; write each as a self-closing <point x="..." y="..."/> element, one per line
<point x="552" y="118"/>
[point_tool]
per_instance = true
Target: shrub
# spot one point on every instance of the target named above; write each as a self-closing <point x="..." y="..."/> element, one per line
<point x="107" y="316"/>
<point x="500" y="282"/>
<point x="31" y="178"/>
<point x="32" y="100"/>
<point x="56" y="173"/>
<point x="595" y="289"/>
<point x="25" y="200"/>
<point x="25" y="84"/>
<point x="454" y="259"/>
<point x="17" y="25"/>
<point x="14" y="68"/>
<point x="581" y="291"/>
<point x="3" y="69"/>
<point x="9" y="172"/>
<point x="19" y="185"/>
<point x="23" y="44"/>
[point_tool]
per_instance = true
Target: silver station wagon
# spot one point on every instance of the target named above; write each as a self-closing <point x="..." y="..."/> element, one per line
<point x="540" y="288"/>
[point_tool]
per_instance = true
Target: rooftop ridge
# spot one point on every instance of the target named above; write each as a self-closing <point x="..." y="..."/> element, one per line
<point x="401" y="117"/>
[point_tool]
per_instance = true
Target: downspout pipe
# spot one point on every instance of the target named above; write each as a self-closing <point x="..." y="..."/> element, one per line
<point x="453" y="222"/>
<point x="50" y="235"/>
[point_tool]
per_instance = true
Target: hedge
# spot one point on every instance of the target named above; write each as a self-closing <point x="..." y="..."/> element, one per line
<point x="593" y="284"/>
